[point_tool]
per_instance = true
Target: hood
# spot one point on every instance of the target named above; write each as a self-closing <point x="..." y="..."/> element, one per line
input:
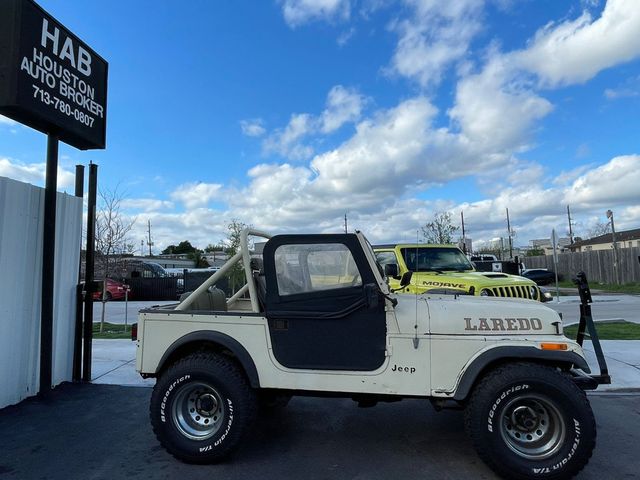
<point x="465" y="280"/>
<point x="486" y="316"/>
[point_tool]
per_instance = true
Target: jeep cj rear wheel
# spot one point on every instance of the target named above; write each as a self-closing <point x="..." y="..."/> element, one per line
<point x="201" y="406"/>
<point x="531" y="421"/>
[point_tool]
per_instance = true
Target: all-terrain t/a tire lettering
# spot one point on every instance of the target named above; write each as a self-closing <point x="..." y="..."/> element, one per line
<point x="201" y="407"/>
<point x="531" y="421"/>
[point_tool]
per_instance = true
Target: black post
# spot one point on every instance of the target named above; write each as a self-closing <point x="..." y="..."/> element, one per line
<point x="48" y="262"/>
<point x="89" y="269"/>
<point x="77" y="333"/>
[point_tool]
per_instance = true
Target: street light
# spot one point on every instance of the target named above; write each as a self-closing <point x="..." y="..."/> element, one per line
<point x="615" y="247"/>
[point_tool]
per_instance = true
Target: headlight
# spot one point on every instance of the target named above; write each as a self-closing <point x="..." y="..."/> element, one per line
<point x="545" y="295"/>
<point x="485" y="293"/>
<point x="533" y="291"/>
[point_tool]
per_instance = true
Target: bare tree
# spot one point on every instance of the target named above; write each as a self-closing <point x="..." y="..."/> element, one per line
<point x="112" y="236"/>
<point x="440" y="230"/>
<point x="599" y="229"/>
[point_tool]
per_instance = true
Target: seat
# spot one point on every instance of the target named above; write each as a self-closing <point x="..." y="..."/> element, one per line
<point x="212" y="300"/>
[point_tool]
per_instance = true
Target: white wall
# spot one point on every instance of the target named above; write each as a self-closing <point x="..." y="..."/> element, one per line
<point x="21" y="226"/>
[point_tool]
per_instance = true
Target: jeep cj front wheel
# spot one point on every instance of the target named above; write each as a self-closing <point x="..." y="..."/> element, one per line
<point x="201" y="406"/>
<point x="531" y="421"/>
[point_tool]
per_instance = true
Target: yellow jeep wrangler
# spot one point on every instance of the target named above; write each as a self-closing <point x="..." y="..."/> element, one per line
<point x="439" y="269"/>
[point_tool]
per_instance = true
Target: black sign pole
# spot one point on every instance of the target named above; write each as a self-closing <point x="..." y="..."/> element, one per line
<point x="77" y="332"/>
<point x="48" y="262"/>
<point x="89" y="269"/>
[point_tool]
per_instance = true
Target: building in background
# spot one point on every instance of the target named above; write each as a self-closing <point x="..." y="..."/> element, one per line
<point x="625" y="239"/>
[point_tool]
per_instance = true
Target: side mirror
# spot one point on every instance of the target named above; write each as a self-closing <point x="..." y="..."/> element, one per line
<point x="391" y="270"/>
<point x="406" y="279"/>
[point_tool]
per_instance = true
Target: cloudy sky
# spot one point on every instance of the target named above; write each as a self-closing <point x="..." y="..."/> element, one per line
<point x="287" y="114"/>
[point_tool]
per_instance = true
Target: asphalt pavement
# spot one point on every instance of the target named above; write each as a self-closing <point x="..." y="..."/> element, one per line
<point x="103" y="432"/>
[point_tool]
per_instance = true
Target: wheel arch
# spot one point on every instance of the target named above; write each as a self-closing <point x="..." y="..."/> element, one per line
<point x="494" y="357"/>
<point x="214" y="341"/>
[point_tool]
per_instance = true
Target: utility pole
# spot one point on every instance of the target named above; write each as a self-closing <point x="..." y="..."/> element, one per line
<point x="615" y="248"/>
<point x="345" y="223"/>
<point x="570" y="226"/>
<point x="464" y="239"/>
<point x="509" y="232"/>
<point x="149" y="242"/>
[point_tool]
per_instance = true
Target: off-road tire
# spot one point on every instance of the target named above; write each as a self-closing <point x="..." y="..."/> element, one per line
<point x="531" y="421"/>
<point x="201" y="407"/>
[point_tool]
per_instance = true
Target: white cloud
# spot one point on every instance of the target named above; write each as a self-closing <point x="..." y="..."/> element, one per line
<point x="34" y="173"/>
<point x="286" y="142"/>
<point x="614" y="94"/>
<point x="435" y="37"/>
<point x="575" y="51"/>
<point x="343" y="105"/>
<point x="194" y="195"/>
<point x="494" y="111"/>
<point x="345" y="36"/>
<point x="299" y="12"/>
<point x="146" y="204"/>
<point x="616" y="182"/>
<point x="253" y="127"/>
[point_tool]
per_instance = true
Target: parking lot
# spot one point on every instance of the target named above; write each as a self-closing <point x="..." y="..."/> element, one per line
<point x="103" y="432"/>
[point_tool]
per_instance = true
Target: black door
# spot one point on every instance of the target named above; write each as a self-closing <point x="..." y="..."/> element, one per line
<point x="322" y="303"/>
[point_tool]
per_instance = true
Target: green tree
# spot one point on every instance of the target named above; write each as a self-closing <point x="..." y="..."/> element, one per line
<point x="234" y="230"/>
<point x="182" y="248"/>
<point x="213" y="248"/>
<point x="440" y="230"/>
<point x="534" y="252"/>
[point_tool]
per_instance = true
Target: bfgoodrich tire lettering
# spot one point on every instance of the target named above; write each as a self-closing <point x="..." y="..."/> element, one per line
<point x="201" y="407"/>
<point x="531" y="421"/>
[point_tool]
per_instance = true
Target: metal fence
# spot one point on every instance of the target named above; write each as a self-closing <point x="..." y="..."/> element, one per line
<point x="597" y="264"/>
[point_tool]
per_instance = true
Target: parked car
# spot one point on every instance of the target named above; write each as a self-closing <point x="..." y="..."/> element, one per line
<point x="541" y="276"/>
<point x="115" y="290"/>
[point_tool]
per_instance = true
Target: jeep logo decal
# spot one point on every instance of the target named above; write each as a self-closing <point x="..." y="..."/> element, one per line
<point x="495" y="324"/>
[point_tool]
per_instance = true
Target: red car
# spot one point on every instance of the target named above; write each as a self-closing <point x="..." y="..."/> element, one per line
<point x="115" y="291"/>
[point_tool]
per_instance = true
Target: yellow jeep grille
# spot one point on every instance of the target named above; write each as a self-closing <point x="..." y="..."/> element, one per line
<point x="519" y="291"/>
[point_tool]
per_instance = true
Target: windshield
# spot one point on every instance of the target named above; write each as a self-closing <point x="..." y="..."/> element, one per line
<point x="436" y="259"/>
<point x="157" y="269"/>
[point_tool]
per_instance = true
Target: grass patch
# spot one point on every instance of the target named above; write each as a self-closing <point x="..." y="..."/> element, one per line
<point x="111" y="331"/>
<point x="610" y="331"/>
<point x="632" y="288"/>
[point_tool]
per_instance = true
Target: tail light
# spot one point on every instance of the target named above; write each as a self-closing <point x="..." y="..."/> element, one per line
<point x="134" y="332"/>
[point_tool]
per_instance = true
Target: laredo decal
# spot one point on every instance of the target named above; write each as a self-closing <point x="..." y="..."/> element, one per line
<point x="497" y="324"/>
<point x="431" y="283"/>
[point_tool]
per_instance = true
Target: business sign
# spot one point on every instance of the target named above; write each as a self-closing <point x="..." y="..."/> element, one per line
<point x="49" y="79"/>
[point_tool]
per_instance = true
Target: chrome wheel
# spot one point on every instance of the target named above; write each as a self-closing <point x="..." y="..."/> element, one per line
<point x="532" y="427"/>
<point x="197" y="411"/>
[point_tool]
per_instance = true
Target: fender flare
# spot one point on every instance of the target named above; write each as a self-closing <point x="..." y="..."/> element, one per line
<point x="473" y="371"/>
<point x="217" y="338"/>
